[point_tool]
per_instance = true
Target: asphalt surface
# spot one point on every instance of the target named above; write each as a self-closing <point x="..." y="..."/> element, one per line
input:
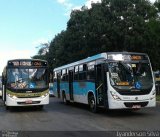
<point x="76" y="117"/>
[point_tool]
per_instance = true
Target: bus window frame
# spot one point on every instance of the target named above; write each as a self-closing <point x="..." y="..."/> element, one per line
<point x="83" y="72"/>
<point x="76" y="73"/>
<point x="92" y="69"/>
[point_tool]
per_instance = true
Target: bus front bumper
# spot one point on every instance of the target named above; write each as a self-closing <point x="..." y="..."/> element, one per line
<point x="27" y="101"/>
<point x="114" y="104"/>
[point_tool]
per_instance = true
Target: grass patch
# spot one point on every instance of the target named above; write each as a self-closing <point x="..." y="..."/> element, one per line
<point x="158" y="97"/>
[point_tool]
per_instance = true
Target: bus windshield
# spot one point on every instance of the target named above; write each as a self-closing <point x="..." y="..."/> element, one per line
<point x="19" y="78"/>
<point x="130" y="75"/>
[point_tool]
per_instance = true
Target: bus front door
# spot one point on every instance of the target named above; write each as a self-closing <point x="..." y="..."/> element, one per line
<point x="3" y="89"/>
<point x="71" y="85"/>
<point x="101" y="87"/>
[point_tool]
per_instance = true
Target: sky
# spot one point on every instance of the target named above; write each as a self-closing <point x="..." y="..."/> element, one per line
<point x="25" y="24"/>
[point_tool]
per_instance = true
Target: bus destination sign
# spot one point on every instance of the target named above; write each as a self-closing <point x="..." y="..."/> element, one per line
<point x="27" y="63"/>
<point x="20" y="63"/>
<point x="138" y="57"/>
<point x="127" y="57"/>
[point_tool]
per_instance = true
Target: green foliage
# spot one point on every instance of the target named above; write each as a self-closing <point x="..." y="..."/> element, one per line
<point x="158" y="97"/>
<point x="42" y="52"/>
<point x="113" y="25"/>
<point x="157" y="4"/>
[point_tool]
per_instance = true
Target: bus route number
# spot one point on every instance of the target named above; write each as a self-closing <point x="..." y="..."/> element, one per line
<point x="24" y="63"/>
<point x="37" y="63"/>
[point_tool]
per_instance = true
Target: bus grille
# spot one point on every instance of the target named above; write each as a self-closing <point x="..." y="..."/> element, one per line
<point x="33" y="102"/>
<point x="130" y="104"/>
<point x="30" y="97"/>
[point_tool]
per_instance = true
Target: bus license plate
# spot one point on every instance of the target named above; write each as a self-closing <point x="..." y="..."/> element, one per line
<point x="136" y="106"/>
<point x="28" y="101"/>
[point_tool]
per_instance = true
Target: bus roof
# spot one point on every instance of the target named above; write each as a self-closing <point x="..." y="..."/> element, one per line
<point x="95" y="57"/>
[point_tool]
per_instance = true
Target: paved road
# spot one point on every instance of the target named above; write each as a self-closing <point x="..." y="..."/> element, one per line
<point x="75" y="117"/>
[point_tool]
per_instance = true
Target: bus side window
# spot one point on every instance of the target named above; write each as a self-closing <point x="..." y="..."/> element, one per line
<point x="82" y="72"/>
<point x="55" y="77"/>
<point x="91" y="73"/>
<point x="67" y="78"/>
<point x="76" y="73"/>
<point x="63" y="77"/>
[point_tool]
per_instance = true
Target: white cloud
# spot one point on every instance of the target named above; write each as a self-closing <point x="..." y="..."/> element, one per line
<point x="70" y="6"/>
<point x="6" y="55"/>
<point x="77" y="8"/>
<point x="89" y="2"/>
<point x="66" y="3"/>
<point x="61" y="1"/>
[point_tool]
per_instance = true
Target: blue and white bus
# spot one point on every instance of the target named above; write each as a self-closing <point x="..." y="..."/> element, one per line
<point x="114" y="80"/>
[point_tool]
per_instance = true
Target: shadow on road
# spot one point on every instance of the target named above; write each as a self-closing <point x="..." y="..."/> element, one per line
<point x="56" y="106"/>
<point x="25" y="109"/>
<point x="103" y="111"/>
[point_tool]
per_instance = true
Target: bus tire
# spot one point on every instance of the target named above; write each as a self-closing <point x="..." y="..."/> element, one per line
<point x="92" y="103"/>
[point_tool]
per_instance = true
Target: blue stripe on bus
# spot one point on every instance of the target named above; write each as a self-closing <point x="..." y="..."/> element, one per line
<point x="82" y="88"/>
<point x="79" y="88"/>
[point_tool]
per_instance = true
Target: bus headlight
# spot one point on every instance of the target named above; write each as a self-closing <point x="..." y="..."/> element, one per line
<point x="12" y="96"/>
<point x="115" y="96"/>
<point x="43" y="96"/>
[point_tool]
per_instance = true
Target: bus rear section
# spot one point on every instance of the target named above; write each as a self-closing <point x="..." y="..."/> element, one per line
<point x="119" y="80"/>
<point x="25" y="83"/>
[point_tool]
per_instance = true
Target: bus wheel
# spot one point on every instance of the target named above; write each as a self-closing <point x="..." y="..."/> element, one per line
<point x="92" y="103"/>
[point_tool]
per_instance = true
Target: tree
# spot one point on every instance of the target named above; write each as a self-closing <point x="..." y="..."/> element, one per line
<point x="42" y="52"/>
<point x="113" y="25"/>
